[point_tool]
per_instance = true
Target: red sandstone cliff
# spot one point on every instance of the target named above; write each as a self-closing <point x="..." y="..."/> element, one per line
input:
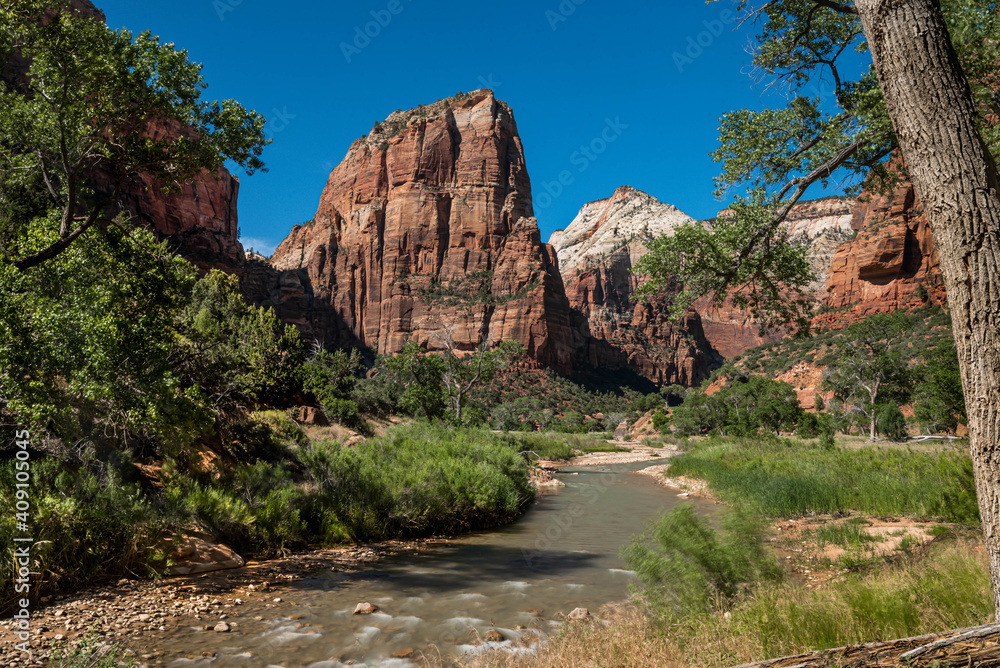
<point x="891" y="264"/>
<point x="425" y="231"/>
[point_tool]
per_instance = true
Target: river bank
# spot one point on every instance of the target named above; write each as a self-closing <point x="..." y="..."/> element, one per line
<point x="133" y="610"/>
<point x="447" y="597"/>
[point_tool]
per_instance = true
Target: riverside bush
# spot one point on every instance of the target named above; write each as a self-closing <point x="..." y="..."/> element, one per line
<point x="86" y="527"/>
<point x="417" y="480"/>
<point x="788" y="478"/>
<point x="688" y="567"/>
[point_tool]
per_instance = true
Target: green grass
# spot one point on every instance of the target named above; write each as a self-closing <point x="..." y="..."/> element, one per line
<point x="848" y="535"/>
<point x="950" y="589"/>
<point x="562" y="447"/>
<point x="92" y="652"/>
<point x="790" y="478"/>
<point x="417" y="480"/>
<point x="690" y="568"/>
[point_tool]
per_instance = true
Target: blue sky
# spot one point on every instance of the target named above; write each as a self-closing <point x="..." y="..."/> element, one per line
<point x="662" y="73"/>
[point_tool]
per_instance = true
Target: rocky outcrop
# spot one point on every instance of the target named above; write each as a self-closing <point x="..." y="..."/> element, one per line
<point x="822" y="225"/>
<point x="614" y="332"/>
<point x="598" y="250"/>
<point x="425" y="231"/>
<point x="620" y="223"/>
<point x="891" y="264"/>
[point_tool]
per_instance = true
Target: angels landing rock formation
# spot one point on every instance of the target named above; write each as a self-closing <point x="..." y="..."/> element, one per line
<point x="615" y="333"/>
<point x="426" y="231"/>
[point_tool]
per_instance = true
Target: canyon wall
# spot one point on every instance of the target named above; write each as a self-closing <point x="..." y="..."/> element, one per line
<point x="892" y="263"/>
<point x="615" y="333"/>
<point x="425" y="231"/>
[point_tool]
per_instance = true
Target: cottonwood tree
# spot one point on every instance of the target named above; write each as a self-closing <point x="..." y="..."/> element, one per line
<point x="939" y="401"/>
<point x="88" y="304"/>
<point x="78" y="100"/>
<point x="928" y="92"/>
<point x="870" y="369"/>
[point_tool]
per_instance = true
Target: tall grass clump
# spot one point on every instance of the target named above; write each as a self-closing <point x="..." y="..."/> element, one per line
<point x="87" y="525"/>
<point x="951" y="589"/>
<point x="417" y="480"/>
<point x="788" y="478"/>
<point x="689" y="568"/>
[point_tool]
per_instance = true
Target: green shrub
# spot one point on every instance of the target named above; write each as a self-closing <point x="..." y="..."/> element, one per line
<point x="417" y="480"/>
<point x="283" y="426"/>
<point x="688" y="567"/>
<point x="86" y="526"/>
<point x="892" y="423"/>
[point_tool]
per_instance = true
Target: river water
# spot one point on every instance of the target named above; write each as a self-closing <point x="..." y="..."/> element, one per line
<point x="562" y="554"/>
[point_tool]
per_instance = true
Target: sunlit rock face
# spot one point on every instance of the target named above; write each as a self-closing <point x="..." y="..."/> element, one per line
<point x="425" y="231"/>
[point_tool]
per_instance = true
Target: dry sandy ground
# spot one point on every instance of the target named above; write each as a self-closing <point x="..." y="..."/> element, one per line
<point x="637" y="451"/>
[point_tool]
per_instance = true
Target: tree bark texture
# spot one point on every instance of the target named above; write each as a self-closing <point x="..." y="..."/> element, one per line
<point x="955" y="176"/>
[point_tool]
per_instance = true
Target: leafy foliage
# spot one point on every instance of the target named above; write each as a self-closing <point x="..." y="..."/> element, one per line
<point x="871" y="369"/>
<point x="88" y="336"/>
<point x="939" y="399"/>
<point x="237" y="353"/>
<point x="332" y="379"/>
<point x="688" y="567"/>
<point x="744" y="405"/>
<point x="93" y="100"/>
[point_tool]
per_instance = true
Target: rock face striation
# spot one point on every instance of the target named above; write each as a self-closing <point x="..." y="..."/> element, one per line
<point x="892" y="263"/>
<point x="425" y="231"/>
<point x="614" y="333"/>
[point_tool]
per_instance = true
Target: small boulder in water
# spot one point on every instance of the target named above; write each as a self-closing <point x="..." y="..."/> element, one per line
<point x="493" y="636"/>
<point x="222" y="627"/>
<point x="579" y="614"/>
<point x="365" y="609"/>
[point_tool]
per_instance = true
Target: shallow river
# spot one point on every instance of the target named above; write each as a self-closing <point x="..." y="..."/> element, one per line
<point x="562" y="554"/>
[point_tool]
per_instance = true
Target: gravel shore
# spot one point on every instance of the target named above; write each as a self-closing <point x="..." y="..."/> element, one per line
<point x="131" y="610"/>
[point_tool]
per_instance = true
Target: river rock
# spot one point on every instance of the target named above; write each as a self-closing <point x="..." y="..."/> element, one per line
<point x="579" y="614"/>
<point x="222" y="627"/>
<point x="201" y="556"/>
<point x="493" y="636"/>
<point x="365" y="609"/>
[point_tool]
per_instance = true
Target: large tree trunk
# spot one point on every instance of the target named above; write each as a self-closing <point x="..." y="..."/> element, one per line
<point x="931" y="106"/>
